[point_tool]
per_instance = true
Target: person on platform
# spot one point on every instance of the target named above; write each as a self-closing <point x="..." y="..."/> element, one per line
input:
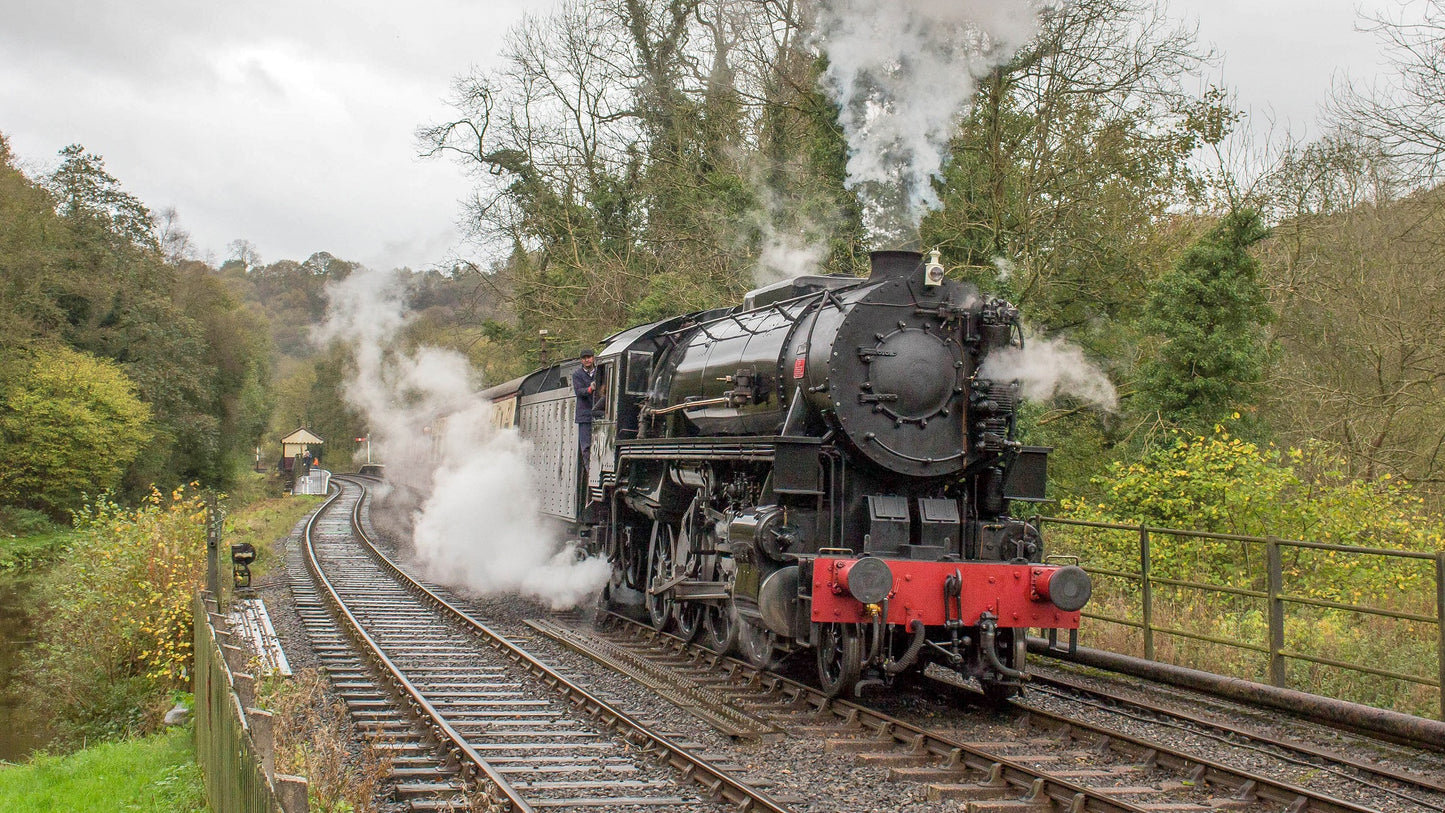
<point x="585" y="386"/>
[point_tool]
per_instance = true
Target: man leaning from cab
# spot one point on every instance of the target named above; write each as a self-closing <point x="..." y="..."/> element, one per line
<point x="585" y="386"/>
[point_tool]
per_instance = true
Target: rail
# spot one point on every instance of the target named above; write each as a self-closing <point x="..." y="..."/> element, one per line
<point x="1274" y="591"/>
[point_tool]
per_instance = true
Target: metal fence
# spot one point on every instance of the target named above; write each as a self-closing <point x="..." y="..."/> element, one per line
<point x="233" y="740"/>
<point x="1282" y="591"/>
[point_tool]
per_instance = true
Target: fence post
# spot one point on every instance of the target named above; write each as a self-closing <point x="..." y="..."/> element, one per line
<point x="213" y="545"/>
<point x="1276" y="613"/>
<point x="1440" y="622"/>
<point x="1148" y="595"/>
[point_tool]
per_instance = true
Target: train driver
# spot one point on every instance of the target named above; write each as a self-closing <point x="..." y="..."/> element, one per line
<point x="585" y="385"/>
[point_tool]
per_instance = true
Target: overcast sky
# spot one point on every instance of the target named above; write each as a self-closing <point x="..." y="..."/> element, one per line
<point x="289" y="123"/>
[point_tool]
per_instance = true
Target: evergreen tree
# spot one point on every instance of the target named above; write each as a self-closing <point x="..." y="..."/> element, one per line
<point x="1210" y="310"/>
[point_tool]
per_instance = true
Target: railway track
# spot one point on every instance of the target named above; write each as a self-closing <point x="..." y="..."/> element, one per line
<point x="1047" y="759"/>
<point x="1428" y="793"/>
<point x="469" y="719"/>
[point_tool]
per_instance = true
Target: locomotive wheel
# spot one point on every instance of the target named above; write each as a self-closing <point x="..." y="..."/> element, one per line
<point x="689" y="616"/>
<point x="719" y="628"/>
<point x="758" y="645"/>
<point x="840" y="657"/>
<point x="659" y="570"/>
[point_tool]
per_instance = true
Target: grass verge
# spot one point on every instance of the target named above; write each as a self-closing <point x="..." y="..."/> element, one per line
<point x="156" y="774"/>
<point x="29" y="539"/>
<point x="261" y="517"/>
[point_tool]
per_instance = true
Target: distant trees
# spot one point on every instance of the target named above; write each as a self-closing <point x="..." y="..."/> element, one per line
<point x="70" y="424"/>
<point x="1355" y="268"/>
<point x="1065" y="169"/>
<point x="629" y="156"/>
<point x="82" y="266"/>
<point x="1355" y="273"/>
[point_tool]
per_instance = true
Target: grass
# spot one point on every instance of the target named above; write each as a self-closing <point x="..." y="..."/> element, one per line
<point x="263" y="517"/>
<point x="29" y="539"/>
<point x="157" y="774"/>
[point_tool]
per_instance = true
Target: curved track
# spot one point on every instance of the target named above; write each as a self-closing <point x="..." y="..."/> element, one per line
<point x="470" y="718"/>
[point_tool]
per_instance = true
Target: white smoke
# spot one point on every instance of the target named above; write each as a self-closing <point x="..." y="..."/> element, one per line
<point x="1004" y="266"/>
<point x="903" y="72"/>
<point x="782" y="256"/>
<point x="474" y="515"/>
<point x="1049" y="367"/>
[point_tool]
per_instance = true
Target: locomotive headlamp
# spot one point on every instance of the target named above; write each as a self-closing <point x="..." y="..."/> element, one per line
<point x="869" y="580"/>
<point x="933" y="272"/>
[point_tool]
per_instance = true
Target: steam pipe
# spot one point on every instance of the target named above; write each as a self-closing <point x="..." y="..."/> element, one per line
<point x="911" y="655"/>
<point x="989" y="628"/>
<point x="879" y="622"/>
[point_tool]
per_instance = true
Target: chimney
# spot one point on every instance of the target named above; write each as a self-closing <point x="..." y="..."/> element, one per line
<point x="895" y="264"/>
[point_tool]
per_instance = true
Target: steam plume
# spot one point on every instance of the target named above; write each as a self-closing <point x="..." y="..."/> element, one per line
<point x="1049" y="367"/>
<point x="902" y="72"/>
<point x="464" y="486"/>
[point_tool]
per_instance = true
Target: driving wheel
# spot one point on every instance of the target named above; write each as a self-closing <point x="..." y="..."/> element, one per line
<point x="840" y="657"/>
<point x="659" y="571"/>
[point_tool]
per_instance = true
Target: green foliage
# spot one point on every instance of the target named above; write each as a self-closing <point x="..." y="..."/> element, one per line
<point x="34" y="550"/>
<point x="158" y="774"/>
<point x="70" y="423"/>
<point x="1210" y="310"/>
<point x="1223" y="484"/>
<point x="115" y="631"/>
<point x="81" y="266"/>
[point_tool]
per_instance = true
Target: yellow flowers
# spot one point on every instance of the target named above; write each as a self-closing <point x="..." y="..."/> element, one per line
<point x="136" y="571"/>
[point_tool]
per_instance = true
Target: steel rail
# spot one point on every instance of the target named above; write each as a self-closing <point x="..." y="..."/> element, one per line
<point x="1061" y="687"/>
<point x="498" y="789"/>
<point x="1070" y="796"/>
<point x="1404" y="729"/>
<point x="716" y="781"/>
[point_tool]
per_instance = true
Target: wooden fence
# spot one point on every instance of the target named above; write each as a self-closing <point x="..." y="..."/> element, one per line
<point x="233" y="739"/>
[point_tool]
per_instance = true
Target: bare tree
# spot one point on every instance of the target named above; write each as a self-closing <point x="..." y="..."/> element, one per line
<point x="1405" y="111"/>
<point x="1357" y="284"/>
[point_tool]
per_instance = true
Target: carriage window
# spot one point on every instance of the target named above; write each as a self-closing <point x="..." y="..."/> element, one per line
<point x="639" y="369"/>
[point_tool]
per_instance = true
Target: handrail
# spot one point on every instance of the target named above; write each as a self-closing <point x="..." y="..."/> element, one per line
<point x="1275" y="594"/>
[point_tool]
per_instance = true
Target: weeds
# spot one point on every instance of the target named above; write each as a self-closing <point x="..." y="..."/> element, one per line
<point x="313" y="739"/>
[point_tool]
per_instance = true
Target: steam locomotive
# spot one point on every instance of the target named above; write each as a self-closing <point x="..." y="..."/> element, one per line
<point x="821" y="467"/>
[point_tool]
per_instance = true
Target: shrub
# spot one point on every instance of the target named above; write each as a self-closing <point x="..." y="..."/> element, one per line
<point x="70" y="423"/>
<point x="1222" y="484"/>
<point x="115" y="626"/>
